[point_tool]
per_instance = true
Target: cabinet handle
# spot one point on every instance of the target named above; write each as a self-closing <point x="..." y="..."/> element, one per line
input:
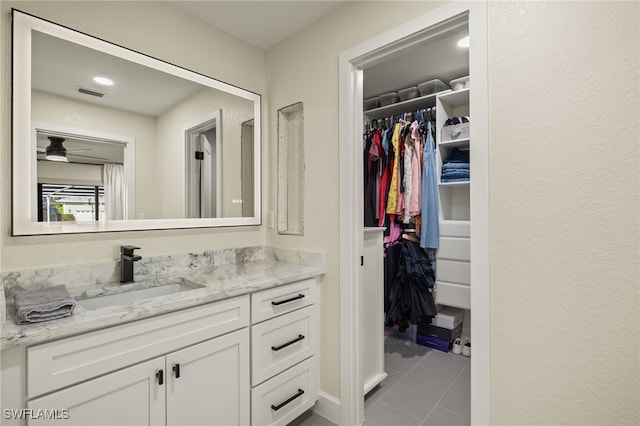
<point x="176" y="370"/>
<point x="160" y="377"/>
<point x="293" y="299"/>
<point x="282" y="404"/>
<point x="284" y="345"/>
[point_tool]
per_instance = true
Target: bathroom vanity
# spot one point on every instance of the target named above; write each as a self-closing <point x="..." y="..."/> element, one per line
<point x="238" y="348"/>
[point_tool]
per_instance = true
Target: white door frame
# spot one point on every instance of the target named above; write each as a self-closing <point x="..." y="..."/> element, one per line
<point x="351" y="63"/>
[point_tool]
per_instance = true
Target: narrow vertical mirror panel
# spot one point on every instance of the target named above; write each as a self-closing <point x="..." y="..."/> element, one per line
<point x="291" y="170"/>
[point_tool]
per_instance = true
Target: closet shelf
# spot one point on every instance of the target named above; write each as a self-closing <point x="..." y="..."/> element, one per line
<point x="456" y="143"/>
<point x="404" y="106"/>
<point x="455" y="98"/>
<point x="464" y="183"/>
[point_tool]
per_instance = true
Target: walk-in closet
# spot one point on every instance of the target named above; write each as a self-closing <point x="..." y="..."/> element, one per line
<point x="417" y="230"/>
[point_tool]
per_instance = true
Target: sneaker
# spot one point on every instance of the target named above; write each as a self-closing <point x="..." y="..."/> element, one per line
<point x="457" y="346"/>
<point x="466" y="349"/>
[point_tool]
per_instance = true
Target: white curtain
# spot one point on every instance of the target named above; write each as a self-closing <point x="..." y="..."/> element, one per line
<point x="115" y="192"/>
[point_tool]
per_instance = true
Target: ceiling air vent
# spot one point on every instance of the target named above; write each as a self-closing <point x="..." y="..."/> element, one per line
<point x="90" y="92"/>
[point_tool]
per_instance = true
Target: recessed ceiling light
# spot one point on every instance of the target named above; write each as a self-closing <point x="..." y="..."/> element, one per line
<point x="464" y="42"/>
<point x="103" y="80"/>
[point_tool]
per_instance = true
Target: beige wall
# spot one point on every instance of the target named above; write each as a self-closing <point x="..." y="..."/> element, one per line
<point x="160" y="31"/>
<point x="563" y="105"/>
<point x="563" y="111"/>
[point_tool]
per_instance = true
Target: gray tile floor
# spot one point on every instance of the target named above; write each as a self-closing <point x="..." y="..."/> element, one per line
<point x="424" y="387"/>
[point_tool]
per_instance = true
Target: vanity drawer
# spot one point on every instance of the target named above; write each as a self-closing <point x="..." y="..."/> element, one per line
<point x="453" y="271"/>
<point x="67" y="361"/>
<point x="280" y="300"/>
<point x="281" y="342"/>
<point x="280" y="400"/>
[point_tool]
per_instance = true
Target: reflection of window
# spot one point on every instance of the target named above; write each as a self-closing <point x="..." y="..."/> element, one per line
<point x="70" y="202"/>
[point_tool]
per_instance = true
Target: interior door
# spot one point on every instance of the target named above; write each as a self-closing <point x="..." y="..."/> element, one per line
<point x="208" y="186"/>
<point x="209" y="383"/>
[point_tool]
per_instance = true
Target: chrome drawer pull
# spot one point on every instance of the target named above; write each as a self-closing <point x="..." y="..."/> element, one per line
<point x="293" y="299"/>
<point x="279" y="406"/>
<point x="284" y="345"/>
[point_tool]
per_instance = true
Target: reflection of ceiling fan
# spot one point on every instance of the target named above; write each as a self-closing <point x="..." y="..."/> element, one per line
<point x="57" y="152"/>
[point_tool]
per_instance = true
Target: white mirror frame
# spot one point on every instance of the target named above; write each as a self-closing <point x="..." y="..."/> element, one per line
<point x="23" y="156"/>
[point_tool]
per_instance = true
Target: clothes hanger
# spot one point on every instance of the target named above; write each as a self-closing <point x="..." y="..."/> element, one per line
<point x="406" y="236"/>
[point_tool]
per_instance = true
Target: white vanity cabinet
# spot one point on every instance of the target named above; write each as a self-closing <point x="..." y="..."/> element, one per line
<point x="250" y="359"/>
<point x="106" y="377"/>
<point x="284" y="342"/>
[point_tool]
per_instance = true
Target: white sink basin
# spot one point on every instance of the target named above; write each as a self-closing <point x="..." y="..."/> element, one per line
<point x="149" y="290"/>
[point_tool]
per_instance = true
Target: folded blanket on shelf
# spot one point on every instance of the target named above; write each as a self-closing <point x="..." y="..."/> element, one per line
<point x="456" y="155"/>
<point x="43" y="304"/>
<point x="450" y="166"/>
<point x="457" y="179"/>
<point x="456" y="174"/>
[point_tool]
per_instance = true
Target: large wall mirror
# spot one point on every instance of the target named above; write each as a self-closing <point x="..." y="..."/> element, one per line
<point x="108" y="139"/>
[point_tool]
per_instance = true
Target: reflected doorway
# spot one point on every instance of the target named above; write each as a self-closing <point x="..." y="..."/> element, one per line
<point x="204" y="169"/>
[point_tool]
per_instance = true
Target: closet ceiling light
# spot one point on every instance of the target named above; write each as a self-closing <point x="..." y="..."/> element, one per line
<point x="103" y="80"/>
<point x="464" y="42"/>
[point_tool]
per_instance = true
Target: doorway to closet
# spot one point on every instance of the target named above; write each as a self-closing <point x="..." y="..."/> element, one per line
<point x="418" y="52"/>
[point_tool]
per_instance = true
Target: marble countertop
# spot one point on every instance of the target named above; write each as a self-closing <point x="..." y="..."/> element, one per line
<point x="219" y="283"/>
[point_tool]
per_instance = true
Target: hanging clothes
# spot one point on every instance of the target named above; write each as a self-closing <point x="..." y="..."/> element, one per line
<point x="411" y="298"/>
<point x="407" y="180"/>
<point x="430" y="229"/>
<point x="416" y="171"/>
<point x="392" y="198"/>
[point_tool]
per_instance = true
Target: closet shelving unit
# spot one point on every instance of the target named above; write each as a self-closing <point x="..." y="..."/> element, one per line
<point x="454" y="261"/>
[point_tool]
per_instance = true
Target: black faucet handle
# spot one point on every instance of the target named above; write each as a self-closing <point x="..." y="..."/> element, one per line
<point x="128" y="250"/>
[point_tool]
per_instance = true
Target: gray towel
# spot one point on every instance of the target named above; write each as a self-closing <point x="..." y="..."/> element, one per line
<point x="43" y="304"/>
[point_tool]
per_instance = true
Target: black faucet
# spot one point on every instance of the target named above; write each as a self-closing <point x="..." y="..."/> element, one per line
<point x="126" y="263"/>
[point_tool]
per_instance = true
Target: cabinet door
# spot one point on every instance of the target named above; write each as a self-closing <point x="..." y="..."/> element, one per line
<point x="209" y="383"/>
<point x="131" y="396"/>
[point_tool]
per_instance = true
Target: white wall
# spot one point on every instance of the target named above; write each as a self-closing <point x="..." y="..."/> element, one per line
<point x="563" y="104"/>
<point x="161" y="31"/>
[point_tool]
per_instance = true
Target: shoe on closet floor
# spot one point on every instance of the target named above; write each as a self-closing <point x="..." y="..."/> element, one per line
<point x="457" y="346"/>
<point x="466" y="349"/>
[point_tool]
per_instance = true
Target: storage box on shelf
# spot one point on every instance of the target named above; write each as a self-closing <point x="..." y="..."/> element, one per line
<point x="393" y="105"/>
<point x="460" y="83"/>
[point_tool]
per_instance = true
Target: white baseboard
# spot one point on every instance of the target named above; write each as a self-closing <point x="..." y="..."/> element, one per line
<point x="328" y="406"/>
